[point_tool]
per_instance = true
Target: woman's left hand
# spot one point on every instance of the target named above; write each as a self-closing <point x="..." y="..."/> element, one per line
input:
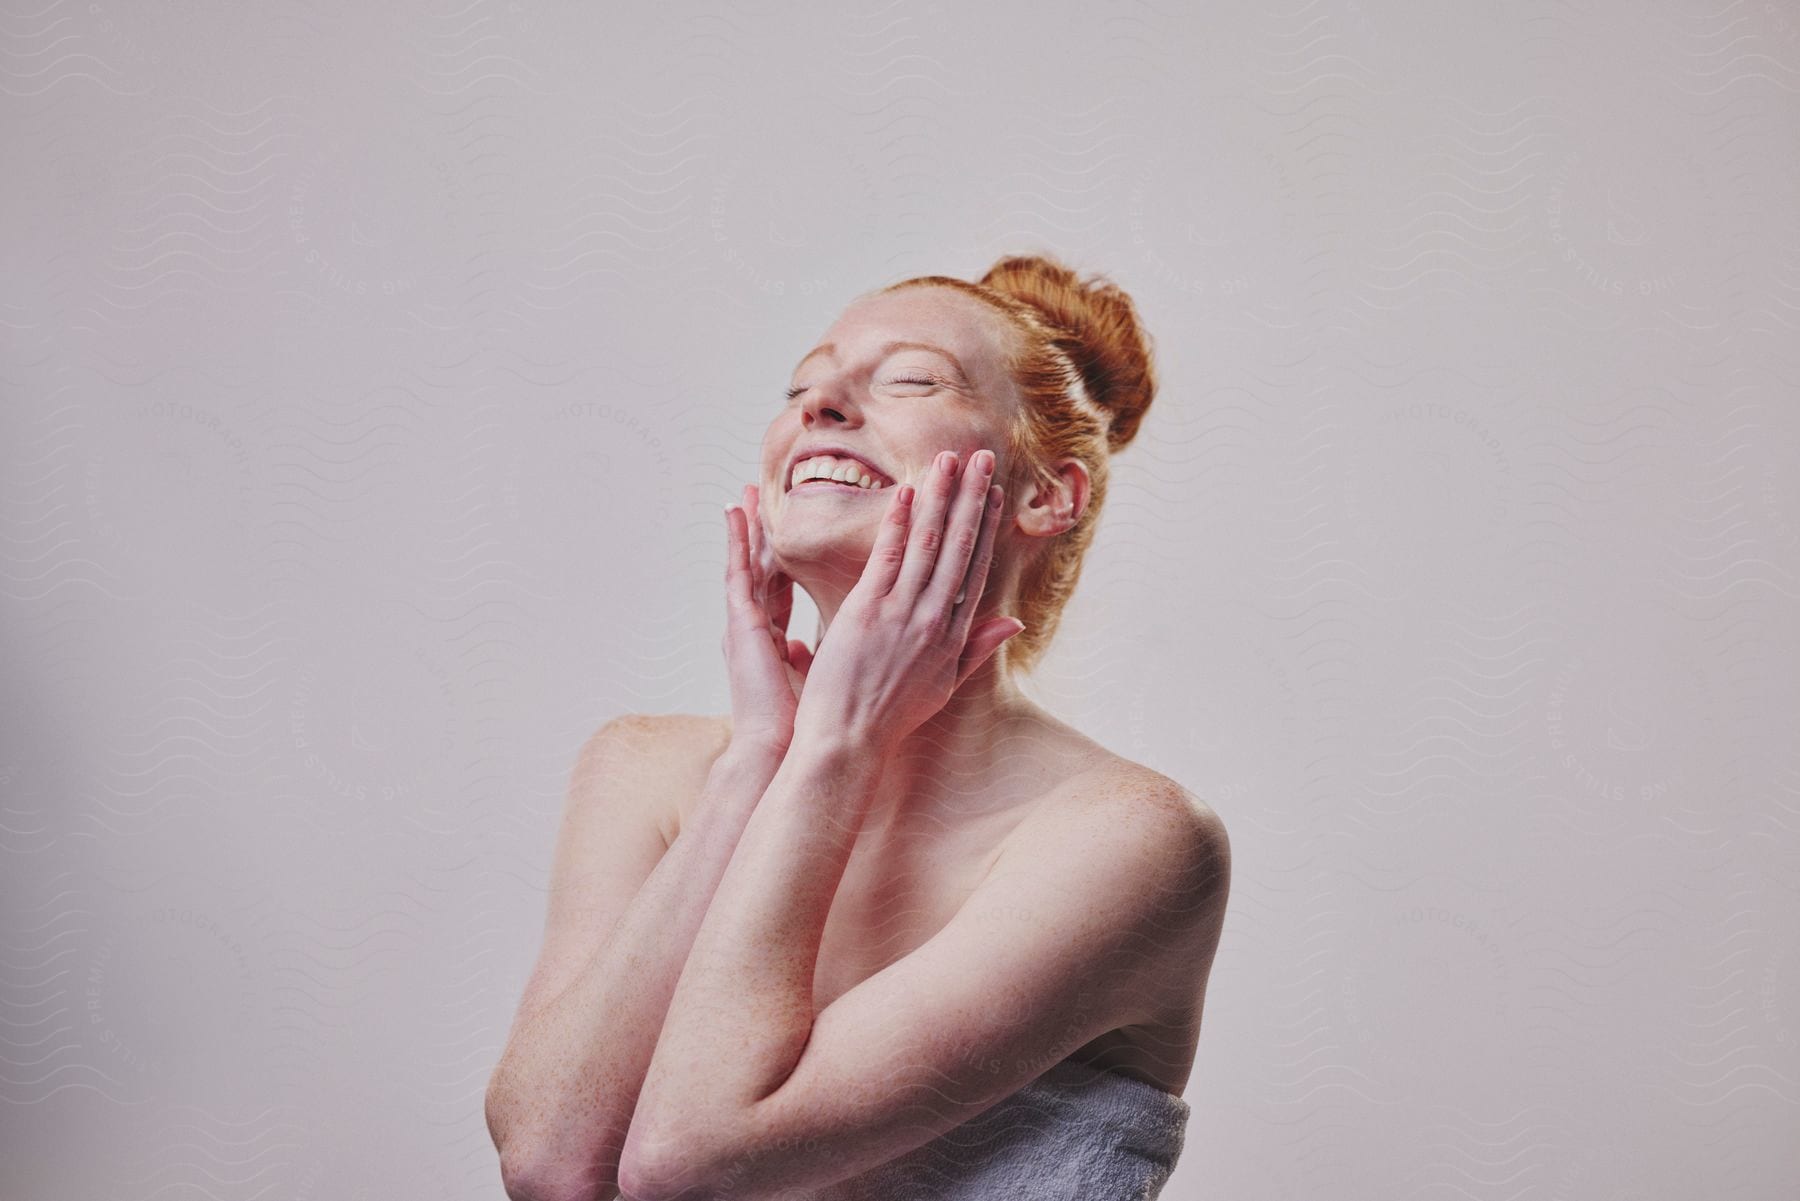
<point x="904" y="638"/>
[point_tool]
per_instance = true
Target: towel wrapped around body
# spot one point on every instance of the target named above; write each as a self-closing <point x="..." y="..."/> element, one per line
<point x="1076" y="1133"/>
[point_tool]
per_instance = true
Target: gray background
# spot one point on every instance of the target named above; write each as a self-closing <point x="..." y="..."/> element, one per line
<point x="373" y="376"/>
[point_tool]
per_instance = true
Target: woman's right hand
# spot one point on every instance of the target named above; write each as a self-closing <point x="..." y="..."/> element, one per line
<point x="767" y="669"/>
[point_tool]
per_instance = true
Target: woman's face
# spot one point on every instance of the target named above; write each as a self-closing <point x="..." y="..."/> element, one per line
<point x="875" y="388"/>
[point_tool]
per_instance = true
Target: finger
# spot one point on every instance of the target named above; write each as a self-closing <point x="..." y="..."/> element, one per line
<point x="967" y="602"/>
<point x="984" y="642"/>
<point x="962" y="533"/>
<point x="740" y="602"/>
<point x="890" y="549"/>
<point x="799" y="655"/>
<point x="927" y="534"/>
<point x="775" y="587"/>
<point x="780" y="604"/>
<point x="753" y="526"/>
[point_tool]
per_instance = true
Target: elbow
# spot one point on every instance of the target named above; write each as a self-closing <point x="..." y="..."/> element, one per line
<point x="533" y="1170"/>
<point x="671" y="1166"/>
<point x="528" y="1178"/>
<point x="523" y="1183"/>
<point x="640" y="1183"/>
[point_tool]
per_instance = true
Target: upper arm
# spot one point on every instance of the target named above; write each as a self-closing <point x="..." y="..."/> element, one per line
<point x="615" y="829"/>
<point x="1086" y="903"/>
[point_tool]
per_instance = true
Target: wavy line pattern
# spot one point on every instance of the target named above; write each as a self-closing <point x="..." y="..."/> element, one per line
<point x="370" y="384"/>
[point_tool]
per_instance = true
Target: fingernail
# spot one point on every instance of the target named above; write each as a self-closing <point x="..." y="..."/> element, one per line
<point x="995" y="495"/>
<point x="906" y="494"/>
<point x="984" y="461"/>
<point x="947" y="463"/>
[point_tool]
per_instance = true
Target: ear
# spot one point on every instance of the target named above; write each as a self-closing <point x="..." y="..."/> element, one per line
<point x="1051" y="508"/>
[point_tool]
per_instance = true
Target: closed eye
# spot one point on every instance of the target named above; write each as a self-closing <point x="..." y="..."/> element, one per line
<point x="799" y="388"/>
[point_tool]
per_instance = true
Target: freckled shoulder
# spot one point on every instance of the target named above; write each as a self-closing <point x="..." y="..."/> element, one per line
<point x="673" y="753"/>
<point x="1115" y="788"/>
<point x="1164" y="842"/>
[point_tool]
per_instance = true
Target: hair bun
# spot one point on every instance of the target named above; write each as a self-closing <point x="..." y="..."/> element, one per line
<point x="1098" y="328"/>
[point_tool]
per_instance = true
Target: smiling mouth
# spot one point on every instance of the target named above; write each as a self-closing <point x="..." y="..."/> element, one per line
<point x="826" y="470"/>
<point x="832" y="486"/>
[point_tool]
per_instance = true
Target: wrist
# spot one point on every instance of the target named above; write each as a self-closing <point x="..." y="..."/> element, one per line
<point x="837" y="747"/>
<point x="754" y="749"/>
<point x="829" y="773"/>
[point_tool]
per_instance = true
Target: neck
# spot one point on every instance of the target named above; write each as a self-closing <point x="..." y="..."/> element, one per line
<point x="938" y="769"/>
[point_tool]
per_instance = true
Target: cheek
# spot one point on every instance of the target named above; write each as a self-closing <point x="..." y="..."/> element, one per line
<point x="774" y="453"/>
<point x="926" y="438"/>
<point x="778" y="437"/>
<point x="959" y="425"/>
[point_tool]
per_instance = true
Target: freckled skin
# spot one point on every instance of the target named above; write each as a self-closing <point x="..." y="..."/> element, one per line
<point x="1028" y="883"/>
<point x="964" y="781"/>
<point x="858" y="399"/>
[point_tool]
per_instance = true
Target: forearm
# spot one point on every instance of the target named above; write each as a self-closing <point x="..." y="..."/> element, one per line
<point x="564" y="1092"/>
<point x="743" y="1011"/>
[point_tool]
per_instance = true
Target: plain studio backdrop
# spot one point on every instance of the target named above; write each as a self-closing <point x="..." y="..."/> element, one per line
<point x="373" y="377"/>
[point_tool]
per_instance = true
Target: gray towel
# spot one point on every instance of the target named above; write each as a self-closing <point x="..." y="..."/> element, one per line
<point x="1074" y="1134"/>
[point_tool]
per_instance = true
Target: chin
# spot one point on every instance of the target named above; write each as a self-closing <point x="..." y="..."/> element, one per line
<point x="813" y="547"/>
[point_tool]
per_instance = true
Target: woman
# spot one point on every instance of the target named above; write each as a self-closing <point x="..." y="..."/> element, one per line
<point x="889" y="929"/>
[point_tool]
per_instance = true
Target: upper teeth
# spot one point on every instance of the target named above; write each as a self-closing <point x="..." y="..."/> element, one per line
<point x="826" y="467"/>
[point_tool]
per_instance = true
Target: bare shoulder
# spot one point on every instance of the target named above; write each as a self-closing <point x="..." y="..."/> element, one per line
<point x="1137" y="856"/>
<point x="1086" y="782"/>
<point x="1147" y="815"/>
<point x="1166" y="853"/>
<point x="1097" y="786"/>
<point x="665" y="756"/>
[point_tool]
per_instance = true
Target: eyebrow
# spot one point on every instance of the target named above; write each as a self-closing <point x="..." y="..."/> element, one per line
<point x="888" y="348"/>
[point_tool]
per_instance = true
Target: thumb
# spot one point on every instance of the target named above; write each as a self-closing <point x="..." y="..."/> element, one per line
<point x="983" y="642"/>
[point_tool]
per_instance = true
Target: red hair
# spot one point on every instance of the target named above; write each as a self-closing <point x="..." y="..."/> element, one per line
<point x="1082" y="363"/>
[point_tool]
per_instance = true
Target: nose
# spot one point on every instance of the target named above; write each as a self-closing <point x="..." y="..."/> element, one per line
<point x="825" y="406"/>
